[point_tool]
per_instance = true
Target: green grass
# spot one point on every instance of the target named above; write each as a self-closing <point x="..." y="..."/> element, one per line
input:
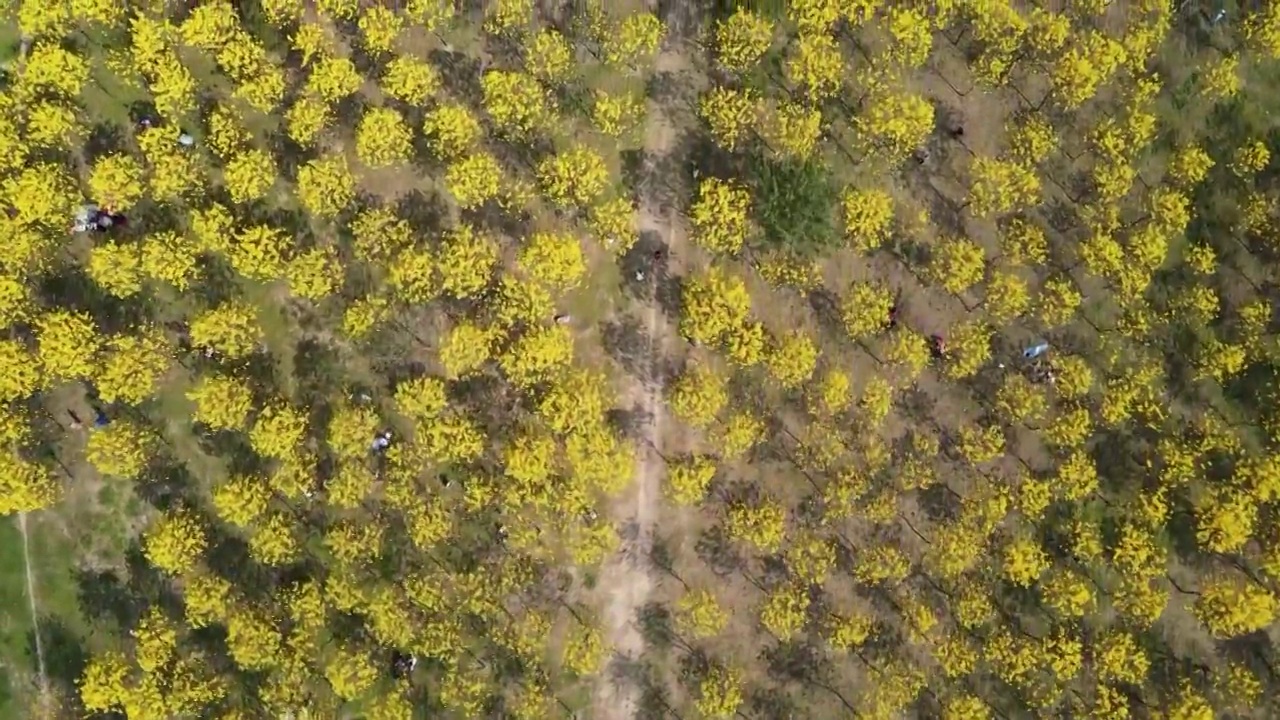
<point x="53" y="565"/>
<point x="16" y="625"/>
<point x="10" y="42"/>
<point x="57" y="604"/>
<point x="795" y="204"/>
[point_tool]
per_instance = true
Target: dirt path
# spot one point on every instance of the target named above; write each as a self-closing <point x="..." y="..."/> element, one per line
<point x="24" y="48"/>
<point x="626" y="577"/>
<point x="31" y="599"/>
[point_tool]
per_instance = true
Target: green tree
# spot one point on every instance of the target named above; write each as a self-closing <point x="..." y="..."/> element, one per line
<point x="795" y="203"/>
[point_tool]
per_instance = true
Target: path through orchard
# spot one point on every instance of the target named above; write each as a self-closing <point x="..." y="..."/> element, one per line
<point x="627" y="577"/>
<point x="23" y="48"/>
<point x="31" y="600"/>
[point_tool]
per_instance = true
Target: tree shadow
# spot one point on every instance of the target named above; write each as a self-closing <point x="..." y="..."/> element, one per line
<point x="670" y="295"/>
<point x="490" y="401"/>
<point x="166" y="483"/>
<point x="655" y="625"/>
<point x="290" y="156"/>
<point x="389" y="352"/>
<point x="661" y="180"/>
<point x="149" y="584"/>
<point x="526" y="151"/>
<point x="292" y="220"/>
<point x="630" y="422"/>
<point x="662" y="558"/>
<point x="826" y="307"/>
<point x="217" y="282"/>
<point x="693" y="667"/>
<point x="947" y="118"/>
<point x="715" y="548"/>
<point x="104" y="596"/>
<point x="917" y="404"/>
<point x="65" y="655"/>
<point x="945" y="212"/>
<point x="72" y="289"/>
<point x="318" y="372"/>
<point x="507" y="666"/>
<point x="624" y="670"/>
<point x="1059" y="220"/>
<point x="260" y="369"/>
<point x="643" y="266"/>
<point x="349" y="111"/>
<point x="1250" y="388"/>
<point x="684" y="18"/>
<point x="104" y="139"/>
<point x="769" y="704"/>
<point x="938" y="503"/>
<point x="626" y="341"/>
<point x="673" y="90"/>
<point x="749" y="393"/>
<point x="229" y="557"/>
<point x="1119" y="457"/>
<point x="460" y="73"/>
<point x="773" y="571"/>
<point x="234" y="448"/>
<point x="427" y="214"/>
<point x="511" y="222"/>
<point x="655" y="701"/>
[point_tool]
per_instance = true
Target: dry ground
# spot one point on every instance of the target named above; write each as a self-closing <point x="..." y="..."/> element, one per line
<point x="627" y="578"/>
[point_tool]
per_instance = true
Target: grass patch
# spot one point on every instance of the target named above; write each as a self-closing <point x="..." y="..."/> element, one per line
<point x="775" y="10"/>
<point x="16" y="625"/>
<point x="61" y="622"/>
<point x="795" y="204"/>
<point x="52" y="562"/>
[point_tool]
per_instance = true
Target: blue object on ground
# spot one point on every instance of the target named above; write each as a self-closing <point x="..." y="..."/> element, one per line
<point x="100" y="419"/>
<point x="1035" y="350"/>
<point x="86" y="217"/>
